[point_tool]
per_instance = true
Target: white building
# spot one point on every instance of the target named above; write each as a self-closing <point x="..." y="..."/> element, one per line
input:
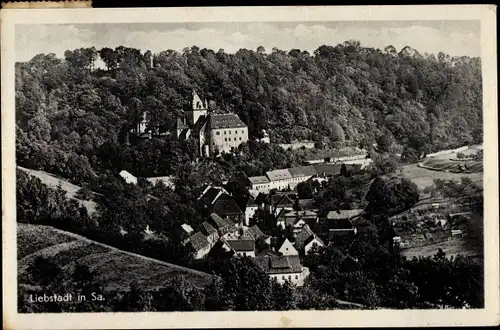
<point x="241" y="247"/>
<point x="280" y="179"/>
<point x="311" y="242"/>
<point x="260" y="184"/>
<point x="283" y="269"/>
<point x="287" y="249"/>
<point x="129" y="178"/>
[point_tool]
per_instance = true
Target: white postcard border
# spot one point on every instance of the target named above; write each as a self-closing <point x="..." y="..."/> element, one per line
<point x="487" y="316"/>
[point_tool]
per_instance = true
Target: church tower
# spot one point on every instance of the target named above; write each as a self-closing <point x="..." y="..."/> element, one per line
<point x="198" y="109"/>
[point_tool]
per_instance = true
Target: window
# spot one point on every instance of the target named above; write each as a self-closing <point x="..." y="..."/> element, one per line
<point x="289" y="277"/>
<point x="240" y="138"/>
<point x="225" y="139"/>
<point x="229" y="132"/>
<point x="242" y="131"/>
<point x="224" y="132"/>
<point x="217" y="133"/>
<point x="296" y="277"/>
<point x="283" y="277"/>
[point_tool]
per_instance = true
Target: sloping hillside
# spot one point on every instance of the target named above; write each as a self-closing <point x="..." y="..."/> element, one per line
<point x="70" y="189"/>
<point x="115" y="269"/>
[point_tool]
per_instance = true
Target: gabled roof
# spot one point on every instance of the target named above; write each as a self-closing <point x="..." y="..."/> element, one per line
<point x="256" y="232"/>
<point x="230" y="120"/>
<point x="312" y="237"/>
<point x="220" y="222"/>
<point x="199" y="241"/>
<point x="210" y="196"/>
<point x="208" y="229"/>
<point x="302" y="171"/>
<point x="279" y="265"/>
<point x="226" y="207"/>
<point x="243" y="245"/>
<point x="343" y="214"/>
<point x="281" y="200"/>
<point x="258" y="179"/>
<point x="277" y="175"/>
<point x="327" y="169"/>
<point x="303" y="236"/>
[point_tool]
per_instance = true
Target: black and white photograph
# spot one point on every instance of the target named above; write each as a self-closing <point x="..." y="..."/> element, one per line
<point x="211" y="166"/>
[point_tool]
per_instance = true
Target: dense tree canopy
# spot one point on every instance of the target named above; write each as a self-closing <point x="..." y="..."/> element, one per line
<point x="343" y="95"/>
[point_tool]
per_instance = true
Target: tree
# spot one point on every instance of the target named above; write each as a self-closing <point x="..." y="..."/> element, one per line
<point x="44" y="272"/>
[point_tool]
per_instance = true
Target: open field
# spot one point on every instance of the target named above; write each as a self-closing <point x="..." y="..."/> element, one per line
<point x="451" y="248"/>
<point x="468" y="166"/>
<point x="115" y="269"/>
<point x="70" y="189"/>
<point x="423" y="177"/>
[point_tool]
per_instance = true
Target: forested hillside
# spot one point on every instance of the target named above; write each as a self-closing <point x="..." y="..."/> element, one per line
<point x="71" y="112"/>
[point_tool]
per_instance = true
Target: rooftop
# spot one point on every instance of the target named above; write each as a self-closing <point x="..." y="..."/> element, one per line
<point x="279" y="265"/>
<point x="199" y="241"/>
<point x="302" y="171"/>
<point x="304" y="213"/>
<point x="225" y="121"/>
<point x="277" y="175"/>
<point x="258" y="179"/>
<point x="245" y="245"/>
<point x="327" y="169"/>
<point x="343" y="214"/>
<point x="226" y="207"/>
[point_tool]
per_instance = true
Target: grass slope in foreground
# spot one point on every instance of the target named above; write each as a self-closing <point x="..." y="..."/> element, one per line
<point x="115" y="269"/>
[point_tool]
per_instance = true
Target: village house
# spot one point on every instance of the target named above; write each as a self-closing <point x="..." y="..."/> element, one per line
<point x="277" y="203"/>
<point x="223" y="225"/>
<point x="284" y="268"/>
<point x="297" y="219"/>
<point x="217" y="200"/>
<point x="280" y="179"/>
<point x="168" y="181"/>
<point x="240" y="247"/>
<point x="210" y="233"/>
<point x="260" y="183"/>
<point x="128" y="177"/>
<point x="312" y="242"/>
<point x="300" y="174"/>
<point x="306" y="240"/>
<point x="339" y="224"/>
<point x="200" y="244"/>
<point x="287" y="249"/>
<point x="255" y="233"/>
<point x="250" y="209"/>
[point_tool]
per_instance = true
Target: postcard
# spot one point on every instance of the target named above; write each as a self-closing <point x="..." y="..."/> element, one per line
<point x="234" y="167"/>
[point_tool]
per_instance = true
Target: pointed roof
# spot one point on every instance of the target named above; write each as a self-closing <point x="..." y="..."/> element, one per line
<point x="303" y="236"/>
<point x="312" y="237"/>
<point x="197" y="102"/>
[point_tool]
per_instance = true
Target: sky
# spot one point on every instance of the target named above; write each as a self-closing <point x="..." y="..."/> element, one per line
<point x="456" y="38"/>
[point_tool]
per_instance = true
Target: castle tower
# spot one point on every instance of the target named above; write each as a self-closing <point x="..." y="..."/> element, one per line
<point x="198" y="109"/>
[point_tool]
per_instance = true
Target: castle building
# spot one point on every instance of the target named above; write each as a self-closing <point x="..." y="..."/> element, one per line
<point x="215" y="133"/>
